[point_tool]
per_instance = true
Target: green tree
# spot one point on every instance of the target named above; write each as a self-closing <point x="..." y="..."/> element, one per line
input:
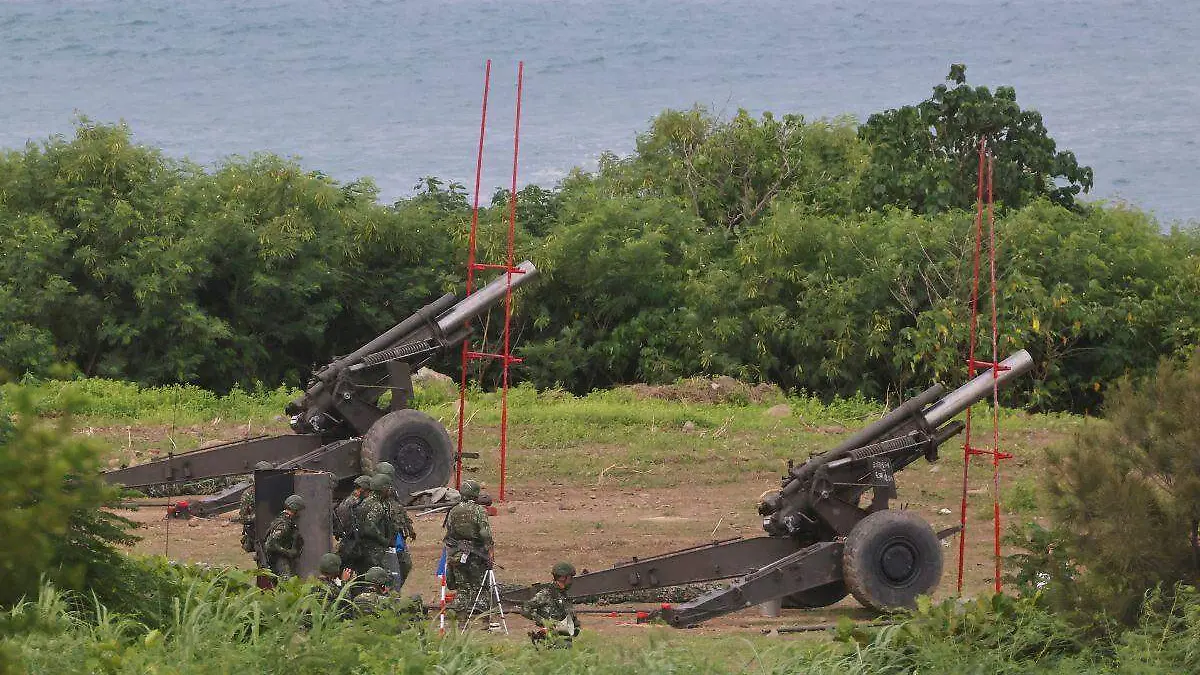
<point x="51" y="521"/>
<point x="729" y="172"/>
<point x="609" y="307"/>
<point x="925" y="157"/>
<point x="1126" y="492"/>
<point x="100" y="258"/>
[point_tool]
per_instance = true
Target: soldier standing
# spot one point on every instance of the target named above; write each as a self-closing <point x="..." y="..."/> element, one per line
<point x="246" y="511"/>
<point x="468" y="550"/>
<point x="401" y="523"/>
<point x="345" y="522"/>
<point x="284" y="543"/>
<point x="375" y="533"/>
<point x="551" y="609"/>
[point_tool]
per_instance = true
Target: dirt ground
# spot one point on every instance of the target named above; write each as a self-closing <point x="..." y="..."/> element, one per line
<point x="595" y="527"/>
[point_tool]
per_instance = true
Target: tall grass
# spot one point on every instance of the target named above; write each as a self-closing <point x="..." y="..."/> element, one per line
<point x="222" y="625"/>
<point x="112" y="401"/>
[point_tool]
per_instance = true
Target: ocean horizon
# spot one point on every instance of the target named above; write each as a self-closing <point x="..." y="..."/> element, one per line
<point x="391" y="90"/>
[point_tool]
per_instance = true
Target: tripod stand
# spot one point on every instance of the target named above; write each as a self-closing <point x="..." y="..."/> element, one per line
<point x="492" y="589"/>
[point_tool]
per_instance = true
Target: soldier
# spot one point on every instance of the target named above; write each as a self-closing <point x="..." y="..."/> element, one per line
<point x="401" y="522"/>
<point x="551" y="610"/>
<point x="331" y="582"/>
<point x="284" y="543"/>
<point x="330" y="576"/>
<point x="246" y="511"/>
<point x="345" y="522"/>
<point x="375" y="533"/>
<point x="468" y="550"/>
<point x="377" y="599"/>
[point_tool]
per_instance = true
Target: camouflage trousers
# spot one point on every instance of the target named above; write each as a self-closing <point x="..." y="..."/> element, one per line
<point x="283" y="566"/>
<point x="370" y="556"/>
<point x="405" y="564"/>
<point x="467" y="579"/>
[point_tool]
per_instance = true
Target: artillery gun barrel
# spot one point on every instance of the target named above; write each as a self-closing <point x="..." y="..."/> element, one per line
<point x="937" y="414"/>
<point x="478" y="302"/>
<point x="977" y="389"/>
<point x="866" y="435"/>
<point x="392" y="334"/>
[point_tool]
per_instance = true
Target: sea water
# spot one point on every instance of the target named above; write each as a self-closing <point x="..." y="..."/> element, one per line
<point x="391" y="89"/>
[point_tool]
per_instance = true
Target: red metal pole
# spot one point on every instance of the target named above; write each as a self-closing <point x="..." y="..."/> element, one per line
<point x="462" y="388"/>
<point x="512" y="222"/>
<point x="996" y="455"/>
<point x="962" y="535"/>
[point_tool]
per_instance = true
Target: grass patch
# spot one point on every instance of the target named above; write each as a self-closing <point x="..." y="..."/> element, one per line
<point x="615" y="435"/>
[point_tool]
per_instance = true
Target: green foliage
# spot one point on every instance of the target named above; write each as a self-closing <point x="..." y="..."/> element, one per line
<point x="219" y="624"/>
<point x="610" y="307"/>
<point x="741" y="247"/>
<point x="879" y="303"/>
<point x="51" y="496"/>
<point x="925" y="157"/>
<point x="990" y="634"/>
<point x="730" y="172"/>
<point x="98" y="257"/>
<point x="1126" y="494"/>
<point x="133" y="265"/>
<point x="111" y="401"/>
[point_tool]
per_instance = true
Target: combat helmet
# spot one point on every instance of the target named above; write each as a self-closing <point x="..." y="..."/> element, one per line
<point x="363" y="481"/>
<point x="386" y="469"/>
<point x="563" y="569"/>
<point x="294" y="503"/>
<point x="330" y="564"/>
<point x="379" y="576"/>
<point x="380" y="482"/>
<point x="263" y="466"/>
<point x="470" y="489"/>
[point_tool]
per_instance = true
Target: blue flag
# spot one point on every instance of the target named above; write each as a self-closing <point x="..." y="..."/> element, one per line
<point x="441" y="566"/>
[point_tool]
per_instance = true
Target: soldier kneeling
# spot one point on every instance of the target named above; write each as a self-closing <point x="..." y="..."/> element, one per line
<point x="376" y="600"/>
<point x="332" y="583"/>
<point x="551" y="610"/>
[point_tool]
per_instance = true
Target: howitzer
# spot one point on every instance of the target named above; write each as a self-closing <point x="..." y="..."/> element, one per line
<point x="824" y="540"/>
<point x="338" y="423"/>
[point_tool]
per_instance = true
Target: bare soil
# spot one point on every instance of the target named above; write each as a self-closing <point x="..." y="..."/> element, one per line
<point x="595" y="527"/>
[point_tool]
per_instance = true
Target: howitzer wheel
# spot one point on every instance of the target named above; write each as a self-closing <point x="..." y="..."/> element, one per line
<point x="890" y="558"/>
<point x="414" y="443"/>
<point x="815" y="598"/>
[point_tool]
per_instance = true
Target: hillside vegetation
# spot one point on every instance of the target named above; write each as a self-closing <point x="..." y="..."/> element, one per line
<point x="823" y="256"/>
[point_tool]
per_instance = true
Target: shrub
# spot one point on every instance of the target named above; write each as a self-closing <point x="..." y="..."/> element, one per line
<point x="1126" y="492"/>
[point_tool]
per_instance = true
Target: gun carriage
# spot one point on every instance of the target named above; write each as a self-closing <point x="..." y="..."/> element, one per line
<point x="824" y="538"/>
<point x="339" y="426"/>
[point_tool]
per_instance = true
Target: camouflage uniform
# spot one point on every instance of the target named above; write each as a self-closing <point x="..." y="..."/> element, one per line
<point x="468" y="553"/>
<point x="550" y="608"/>
<point x="246" y="518"/>
<point x="345" y="526"/>
<point x="403" y="524"/>
<point x="375" y="532"/>
<point x="283" y="544"/>
<point x="376" y="599"/>
<point x="329" y="588"/>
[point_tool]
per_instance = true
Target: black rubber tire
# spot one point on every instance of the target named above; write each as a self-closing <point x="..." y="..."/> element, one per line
<point x="414" y="443"/>
<point x="890" y="558"/>
<point x="815" y="598"/>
